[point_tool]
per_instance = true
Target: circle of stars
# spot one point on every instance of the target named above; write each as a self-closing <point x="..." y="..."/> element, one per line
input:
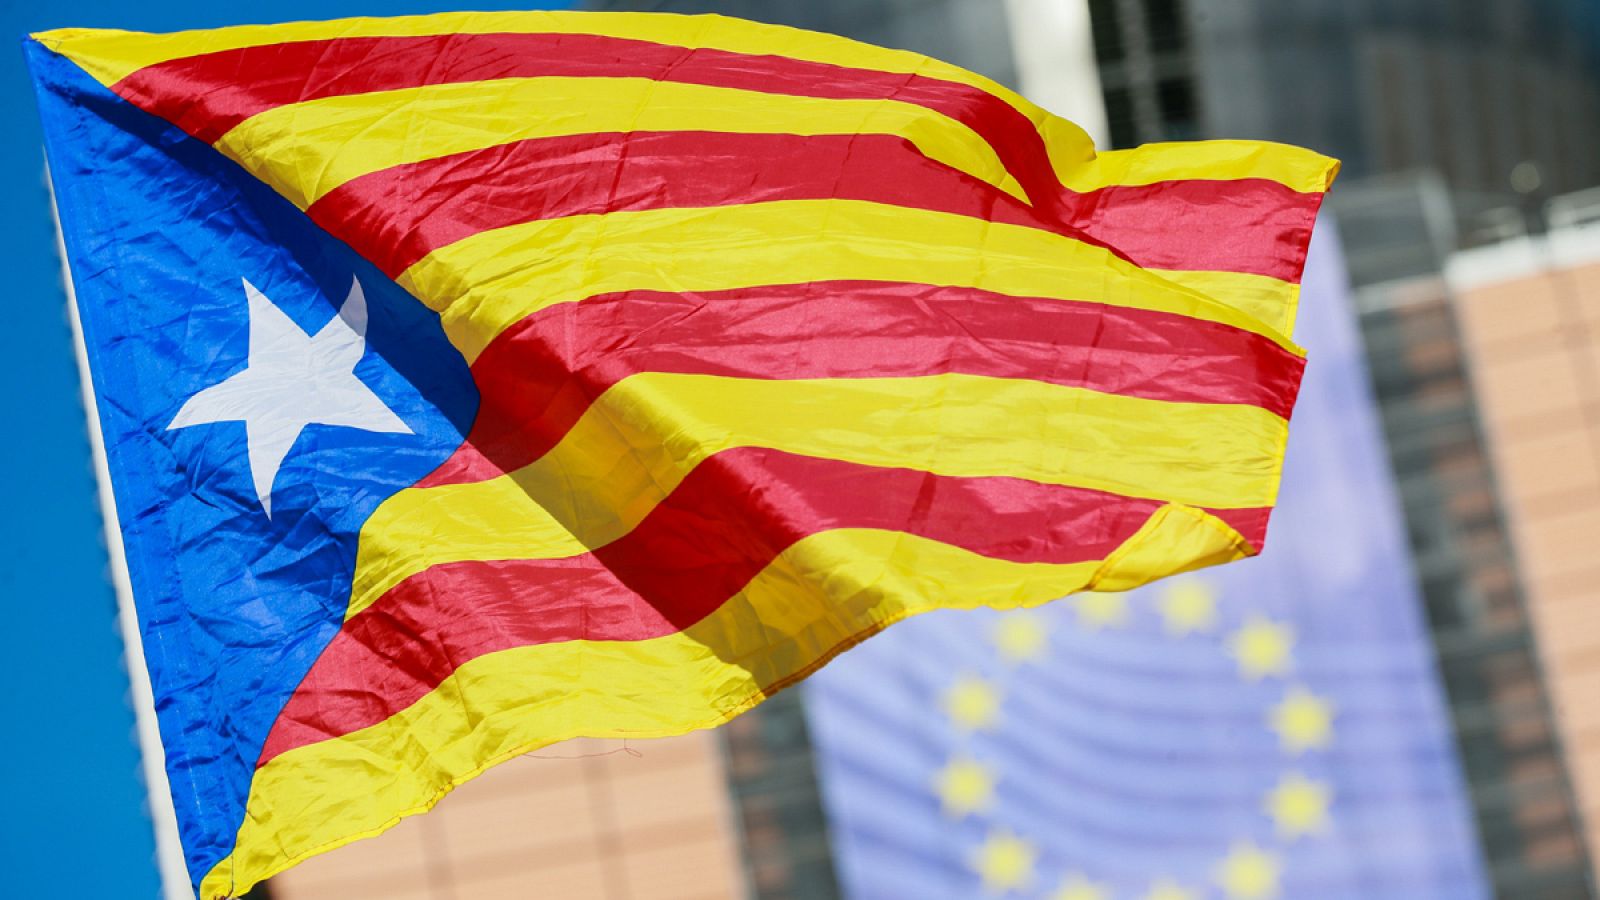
<point x="1261" y="649"/>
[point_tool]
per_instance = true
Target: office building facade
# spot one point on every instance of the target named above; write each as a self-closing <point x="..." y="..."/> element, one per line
<point x="1468" y="89"/>
<point x="608" y="820"/>
<point x="1400" y="233"/>
<point x="1529" y="313"/>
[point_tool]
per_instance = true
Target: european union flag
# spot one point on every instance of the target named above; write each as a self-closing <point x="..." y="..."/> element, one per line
<point x="1272" y="729"/>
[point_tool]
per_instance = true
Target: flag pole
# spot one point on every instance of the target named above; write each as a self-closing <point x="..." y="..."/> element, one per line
<point x="163" y="818"/>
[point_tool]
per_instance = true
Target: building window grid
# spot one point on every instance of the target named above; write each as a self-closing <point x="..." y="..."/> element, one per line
<point x="777" y="800"/>
<point x="1146" y="73"/>
<point x="1511" y="756"/>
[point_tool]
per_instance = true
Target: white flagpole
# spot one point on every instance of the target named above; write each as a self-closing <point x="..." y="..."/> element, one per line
<point x="169" y="852"/>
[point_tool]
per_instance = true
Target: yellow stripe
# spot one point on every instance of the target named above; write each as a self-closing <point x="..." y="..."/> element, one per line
<point x="1272" y="301"/>
<point x="822" y="595"/>
<point x="639" y="440"/>
<point x="111" y="55"/>
<point x="307" y="149"/>
<point x="1301" y="170"/>
<point x="488" y="282"/>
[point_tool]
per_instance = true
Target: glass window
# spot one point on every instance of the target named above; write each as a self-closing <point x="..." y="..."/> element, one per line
<point x="1164" y="22"/>
<point x="1106" y="25"/>
<point x="1119" y="116"/>
<point x="1175" y="97"/>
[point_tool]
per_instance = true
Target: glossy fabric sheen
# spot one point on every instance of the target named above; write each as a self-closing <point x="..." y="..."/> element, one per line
<point x="308" y="150"/>
<point x="486" y="283"/>
<point x="682" y="561"/>
<point x="614" y="466"/>
<point x="419" y="207"/>
<point x="766" y="340"/>
<point x="371" y="65"/>
<point x="539" y="376"/>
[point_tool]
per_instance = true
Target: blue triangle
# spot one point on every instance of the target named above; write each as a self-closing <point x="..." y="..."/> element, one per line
<point x="234" y="606"/>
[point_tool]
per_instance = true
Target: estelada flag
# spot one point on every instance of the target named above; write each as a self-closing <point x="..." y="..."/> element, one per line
<point x="473" y="382"/>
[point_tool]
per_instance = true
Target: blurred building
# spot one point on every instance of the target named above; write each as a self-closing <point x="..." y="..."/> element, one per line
<point x="710" y="815"/>
<point x="1399" y="234"/>
<point x="605" y="820"/>
<point x="1529" y="314"/>
<point x="1469" y="88"/>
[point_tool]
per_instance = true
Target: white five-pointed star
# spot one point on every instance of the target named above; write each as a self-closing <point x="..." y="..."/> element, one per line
<point x="293" y="379"/>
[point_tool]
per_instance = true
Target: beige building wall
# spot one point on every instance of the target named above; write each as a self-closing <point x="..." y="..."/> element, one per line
<point x="1530" y="320"/>
<point x="584" y="820"/>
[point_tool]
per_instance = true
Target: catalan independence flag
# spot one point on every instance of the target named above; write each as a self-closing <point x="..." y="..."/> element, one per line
<point x="473" y="382"/>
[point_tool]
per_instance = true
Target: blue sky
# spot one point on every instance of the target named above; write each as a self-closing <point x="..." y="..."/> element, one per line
<point x="74" y="821"/>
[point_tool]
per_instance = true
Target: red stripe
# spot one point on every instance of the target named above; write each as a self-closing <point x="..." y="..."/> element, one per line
<point x="1250" y="523"/>
<point x="538" y="377"/>
<point x="1200" y="221"/>
<point x="724" y="523"/>
<point x="1249" y="225"/>
<point x="397" y="216"/>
